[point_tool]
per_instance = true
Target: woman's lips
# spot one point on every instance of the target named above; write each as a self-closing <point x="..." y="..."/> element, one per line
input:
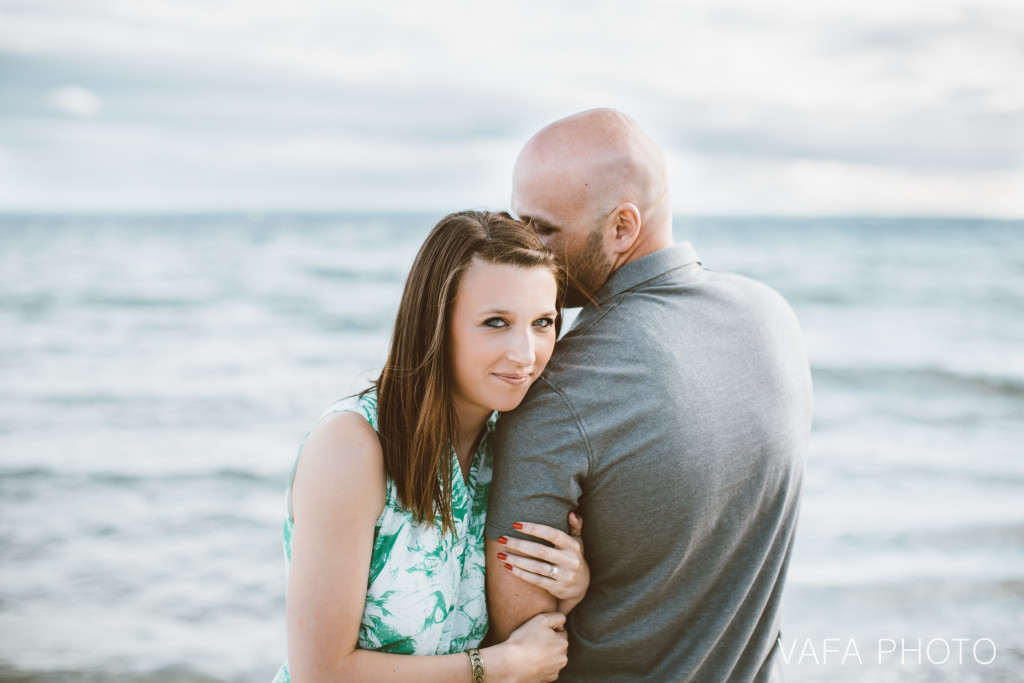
<point x="514" y="380"/>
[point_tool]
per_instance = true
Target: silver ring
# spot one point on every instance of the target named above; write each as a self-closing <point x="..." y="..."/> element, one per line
<point x="554" y="571"/>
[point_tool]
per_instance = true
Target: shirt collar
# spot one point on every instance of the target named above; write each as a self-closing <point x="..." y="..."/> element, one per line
<point x="647" y="268"/>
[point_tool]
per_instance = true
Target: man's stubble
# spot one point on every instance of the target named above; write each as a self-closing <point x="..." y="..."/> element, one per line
<point x="586" y="271"/>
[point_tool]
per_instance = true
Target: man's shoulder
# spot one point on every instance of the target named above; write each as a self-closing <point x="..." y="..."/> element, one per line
<point x="635" y="326"/>
<point x="585" y="370"/>
<point x="545" y="397"/>
<point x="740" y="281"/>
<point x="729" y="294"/>
<point x="752" y="299"/>
<point x="573" y="368"/>
<point x="547" y="421"/>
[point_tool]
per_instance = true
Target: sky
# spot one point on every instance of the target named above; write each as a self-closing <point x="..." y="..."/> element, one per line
<point x="793" y="107"/>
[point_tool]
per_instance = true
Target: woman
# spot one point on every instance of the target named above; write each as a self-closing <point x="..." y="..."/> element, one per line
<point x="384" y="534"/>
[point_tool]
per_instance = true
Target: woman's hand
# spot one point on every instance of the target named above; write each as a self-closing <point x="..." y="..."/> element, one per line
<point x="561" y="571"/>
<point x="534" y="652"/>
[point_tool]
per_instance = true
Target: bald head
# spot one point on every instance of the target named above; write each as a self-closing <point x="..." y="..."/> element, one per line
<point x="595" y="171"/>
<point x="601" y="157"/>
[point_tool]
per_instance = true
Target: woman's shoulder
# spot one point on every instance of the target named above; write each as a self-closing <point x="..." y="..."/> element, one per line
<point x="342" y="459"/>
<point x="343" y="438"/>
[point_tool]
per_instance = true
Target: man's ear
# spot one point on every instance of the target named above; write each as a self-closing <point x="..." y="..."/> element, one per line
<point x="626" y="221"/>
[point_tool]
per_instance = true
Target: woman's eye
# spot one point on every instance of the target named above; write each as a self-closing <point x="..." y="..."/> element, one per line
<point x="495" y="322"/>
<point x="544" y="322"/>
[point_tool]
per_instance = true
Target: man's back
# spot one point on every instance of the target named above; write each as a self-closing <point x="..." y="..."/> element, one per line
<point x="675" y="415"/>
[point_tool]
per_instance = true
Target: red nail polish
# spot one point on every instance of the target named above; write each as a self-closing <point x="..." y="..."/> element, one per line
<point x="508" y="567"/>
<point x="502" y="556"/>
<point x="517" y="525"/>
<point x="502" y="539"/>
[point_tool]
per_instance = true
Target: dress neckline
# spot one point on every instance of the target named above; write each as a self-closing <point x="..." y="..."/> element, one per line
<point x="469" y="481"/>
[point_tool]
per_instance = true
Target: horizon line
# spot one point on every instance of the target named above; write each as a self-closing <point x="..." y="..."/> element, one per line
<point x="257" y="214"/>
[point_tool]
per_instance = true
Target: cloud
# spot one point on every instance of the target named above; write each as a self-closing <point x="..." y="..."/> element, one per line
<point x="424" y="106"/>
<point x="76" y="100"/>
<point x="744" y="186"/>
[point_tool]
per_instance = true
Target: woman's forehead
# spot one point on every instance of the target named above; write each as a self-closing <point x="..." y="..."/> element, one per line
<point x="490" y="284"/>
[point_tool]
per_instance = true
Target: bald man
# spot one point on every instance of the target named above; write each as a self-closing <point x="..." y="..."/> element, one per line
<point x="674" y="416"/>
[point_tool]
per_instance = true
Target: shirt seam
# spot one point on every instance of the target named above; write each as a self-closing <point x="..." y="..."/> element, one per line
<point x="578" y="422"/>
<point x="611" y="303"/>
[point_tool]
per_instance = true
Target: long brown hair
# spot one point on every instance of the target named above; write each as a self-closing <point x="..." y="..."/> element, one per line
<point x="416" y="418"/>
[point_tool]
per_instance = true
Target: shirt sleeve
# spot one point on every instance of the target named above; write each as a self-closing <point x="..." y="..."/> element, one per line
<point x="541" y="461"/>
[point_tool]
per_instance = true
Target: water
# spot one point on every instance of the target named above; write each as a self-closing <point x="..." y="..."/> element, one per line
<point x="156" y="374"/>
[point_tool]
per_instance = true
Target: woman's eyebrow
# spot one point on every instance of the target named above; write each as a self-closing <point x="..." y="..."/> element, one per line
<point x="551" y="312"/>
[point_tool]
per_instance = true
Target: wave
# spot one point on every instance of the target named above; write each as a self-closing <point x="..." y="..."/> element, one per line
<point x="10" y="674"/>
<point x="379" y="322"/>
<point x="128" y="479"/>
<point x="928" y="378"/>
<point x="913" y="592"/>
<point x="362" y="277"/>
<point x="1008" y="536"/>
<point x="136" y="301"/>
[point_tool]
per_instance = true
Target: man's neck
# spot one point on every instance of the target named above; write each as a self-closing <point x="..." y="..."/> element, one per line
<point x="647" y="244"/>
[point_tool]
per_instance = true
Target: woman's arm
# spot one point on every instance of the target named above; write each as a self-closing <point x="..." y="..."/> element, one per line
<point x="337" y="496"/>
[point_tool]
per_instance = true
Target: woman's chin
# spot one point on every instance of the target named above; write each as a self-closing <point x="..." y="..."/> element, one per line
<point x="508" y="403"/>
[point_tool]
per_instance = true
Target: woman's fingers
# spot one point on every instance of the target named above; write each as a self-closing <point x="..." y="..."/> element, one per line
<point x="559" y="538"/>
<point x="552" y="620"/>
<point x="531" y="549"/>
<point x="541" y="581"/>
<point x="575" y="525"/>
<point x="562" y="570"/>
<point x="550" y="570"/>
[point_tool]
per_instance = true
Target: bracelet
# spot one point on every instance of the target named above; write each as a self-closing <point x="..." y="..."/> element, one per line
<point x="477" y="662"/>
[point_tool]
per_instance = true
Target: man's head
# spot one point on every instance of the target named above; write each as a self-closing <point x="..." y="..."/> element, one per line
<point x="594" y="187"/>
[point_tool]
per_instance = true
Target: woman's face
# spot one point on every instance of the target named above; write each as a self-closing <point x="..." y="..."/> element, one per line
<point x="502" y="329"/>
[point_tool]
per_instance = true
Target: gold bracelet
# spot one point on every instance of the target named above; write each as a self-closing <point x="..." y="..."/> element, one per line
<point x="477" y="662"/>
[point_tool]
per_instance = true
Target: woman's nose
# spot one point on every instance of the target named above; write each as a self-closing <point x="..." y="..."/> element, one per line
<point x="521" y="350"/>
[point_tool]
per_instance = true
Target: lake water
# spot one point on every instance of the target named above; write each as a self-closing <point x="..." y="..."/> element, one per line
<point x="157" y="373"/>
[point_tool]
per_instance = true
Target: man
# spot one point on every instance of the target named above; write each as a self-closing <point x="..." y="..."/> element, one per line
<point x="674" y="416"/>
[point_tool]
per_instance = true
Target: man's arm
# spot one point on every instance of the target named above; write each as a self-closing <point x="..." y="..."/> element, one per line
<point x="511" y="601"/>
<point x="540" y="463"/>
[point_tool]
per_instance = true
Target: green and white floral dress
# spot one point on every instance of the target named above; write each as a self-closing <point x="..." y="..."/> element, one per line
<point x="425" y="591"/>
